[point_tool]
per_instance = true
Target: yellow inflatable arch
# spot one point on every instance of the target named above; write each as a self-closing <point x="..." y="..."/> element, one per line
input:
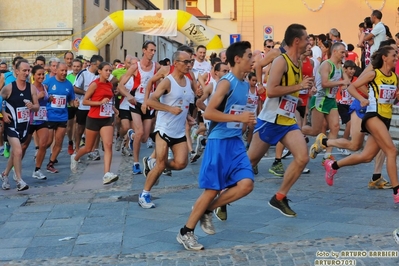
<point x="149" y="22"/>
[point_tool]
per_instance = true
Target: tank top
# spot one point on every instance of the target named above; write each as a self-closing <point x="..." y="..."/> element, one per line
<point x="124" y="105"/>
<point x="103" y="90"/>
<point x="167" y="123"/>
<point x="334" y="75"/>
<point x="281" y="110"/>
<point x="234" y="103"/>
<point x="40" y="116"/>
<point x="144" y="78"/>
<point x="382" y="94"/>
<point x="15" y="106"/>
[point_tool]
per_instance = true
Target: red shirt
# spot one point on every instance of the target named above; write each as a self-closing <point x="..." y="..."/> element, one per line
<point x="307" y="70"/>
<point x="103" y="90"/>
<point x="352" y="56"/>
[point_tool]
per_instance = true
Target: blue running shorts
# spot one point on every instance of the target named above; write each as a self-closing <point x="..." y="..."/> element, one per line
<point x="224" y="164"/>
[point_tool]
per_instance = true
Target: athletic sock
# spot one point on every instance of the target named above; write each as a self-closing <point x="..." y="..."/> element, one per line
<point x="185" y="230"/>
<point x="276" y="160"/>
<point x="70" y="142"/>
<point x="376" y="177"/>
<point x="324" y="142"/>
<point x="395" y="190"/>
<point x="280" y="196"/>
<point x="208" y="212"/>
<point x="335" y="166"/>
<point x="37" y="168"/>
<point x="145" y="192"/>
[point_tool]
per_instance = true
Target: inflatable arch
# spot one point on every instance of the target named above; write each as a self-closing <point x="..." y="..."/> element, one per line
<point x="154" y="22"/>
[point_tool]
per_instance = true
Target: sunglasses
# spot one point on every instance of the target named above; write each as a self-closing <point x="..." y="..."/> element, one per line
<point x="186" y="62"/>
<point x="269" y="46"/>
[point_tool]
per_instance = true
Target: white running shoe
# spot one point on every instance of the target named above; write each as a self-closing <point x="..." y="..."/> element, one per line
<point x="109" y="178"/>
<point x="39" y="175"/>
<point x="344" y="152"/>
<point x="74" y="164"/>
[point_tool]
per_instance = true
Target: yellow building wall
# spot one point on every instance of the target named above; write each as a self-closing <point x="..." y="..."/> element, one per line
<point x="30" y="15"/>
<point x="345" y="15"/>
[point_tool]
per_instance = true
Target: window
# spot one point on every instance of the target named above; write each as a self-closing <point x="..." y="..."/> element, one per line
<point x="216" y="5"/>
<point x="189" y="3"/>
<point x="97" y="2"/>
<point x="106" y="5"/>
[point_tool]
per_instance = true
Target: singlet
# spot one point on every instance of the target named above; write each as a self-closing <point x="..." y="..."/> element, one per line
<point x="129" y="86"/>
<point x="144" y="78"/>
<point x="344" y="97"/>
<point x="103" y="90"/>
<point x="62" y="92"/>
<point x="334" y="75"/>
<point x="252" y="102"/>
<point x="39" y="117"/>
<point x="188" y="75"/>
<point x="82" y="81"/>
<point x="233" y="103"/>
<point x="307" y="70"/>
<point x="167" y="123"/>
<point x="15" y="106"/>
<point x="281" y="110"/>
<point x="382" y="94"/>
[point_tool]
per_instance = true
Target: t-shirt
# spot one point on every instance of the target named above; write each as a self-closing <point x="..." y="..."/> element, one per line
<point x="119" y="72"/>
<point x="82" y="81"/>
<point x="103" y="90"/>
<point x="316" y="52"/>
<point x="379" y="36"/>
<point x="352" y="56"/>
<point x="62" y="92"/>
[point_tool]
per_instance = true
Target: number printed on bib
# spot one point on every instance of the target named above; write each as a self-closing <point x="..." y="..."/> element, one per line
<point x="106" y="110"/>
<point x="252" y="104"/>
<point x="23" y="114"/>
<point x="332" y="92"/>
<point x="387" y="94"/>
<point x="235" y="110"/>
<point x="41" y="114"/>
<point x="59" y="101"/>
<point x="287" y="106"/>
<point x="346" y="97"/>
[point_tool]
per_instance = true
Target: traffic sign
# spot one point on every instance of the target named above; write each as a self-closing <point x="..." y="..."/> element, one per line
<point x="268" y="32"/>
<point x="235" y="38"/>
<point x="76" y="43"/>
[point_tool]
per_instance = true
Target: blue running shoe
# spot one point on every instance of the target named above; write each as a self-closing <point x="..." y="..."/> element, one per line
<point x="136" y="169"/>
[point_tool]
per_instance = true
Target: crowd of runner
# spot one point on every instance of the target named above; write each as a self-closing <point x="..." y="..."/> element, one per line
<point x="228" y="108"/>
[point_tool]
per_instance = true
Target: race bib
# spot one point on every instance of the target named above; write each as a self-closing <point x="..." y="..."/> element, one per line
<point x="59" y="101"/>
<point x="41" y="114"/>
<point x="23" y="114"/>
<point x="252" y="104"/>
<point x="235" y="110"/>
<point x="346" y="97"/>
<point x="304" y="92"/>
<point x="287" y="106"/>
<point x="106" y="110"/>
<point x="387" y="94"/>
<point x="141" y="89"/>
<point x="332" y="92"/>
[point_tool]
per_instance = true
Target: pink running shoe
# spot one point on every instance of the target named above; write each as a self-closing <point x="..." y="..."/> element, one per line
<point x="330" y="172"/>
<point x="396" y="198"/>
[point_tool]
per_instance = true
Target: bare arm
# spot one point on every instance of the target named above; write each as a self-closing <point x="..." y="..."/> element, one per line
<point x="360" y="82"/>
<point x="207" y="91"/>
<point x="89" y="93"/>
<point x="202" y="78"/>
<point x="325" y="70"/>
<point x="162" y="73"/>
<point x="34" y="105"/>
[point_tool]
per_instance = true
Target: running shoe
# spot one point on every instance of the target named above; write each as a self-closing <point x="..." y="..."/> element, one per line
<point x="6" y="152"/>
<point x="150" y="143"/>
<point x="136" y="169"/>
<point x="329" y="175"/>
<point x="221" y="213"/>
<point x="317" y="146"/>
<point x="130" y="134"/>
<point x="167" y="172"/>
<point x="51" y="169"/>
<point x="5" y="183"/>
<point x="396" y="235"/>
<point x="126" y="151"/>
<point x="344" y="151"/>
<point x="109" y="178"/>
<point x="286" y="153"/>
<point x="70" y="148"/>
<point x="146" y="166"/>
<point x="380" y="183"/>
<point x="330" y="157"/>
<point x="145" y="201"/>
<point x="282" y="206"/>
<point x="21" y="185"/>
<point x="189" y="241"/>
<point x="74" y="164"/>
<point x="306" y="171"/>
<point x="277" y="169"/>
<point x="118" y="143"/>
<point x="39" y="175"/>
<point x="206" y="224"/>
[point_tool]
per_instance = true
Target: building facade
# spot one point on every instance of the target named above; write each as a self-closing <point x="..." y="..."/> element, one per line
<point x="53" y="27"/>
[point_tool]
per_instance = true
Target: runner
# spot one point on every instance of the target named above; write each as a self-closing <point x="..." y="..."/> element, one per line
<point x="99" y="121"/>
<point x="19" y="99"/>
<point x="276" y="122"/>
<point x="224" y="147"/>
<point x="171" y="99"/>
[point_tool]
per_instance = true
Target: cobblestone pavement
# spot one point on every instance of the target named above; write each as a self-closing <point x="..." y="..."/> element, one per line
<point x="75" y="220"/>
